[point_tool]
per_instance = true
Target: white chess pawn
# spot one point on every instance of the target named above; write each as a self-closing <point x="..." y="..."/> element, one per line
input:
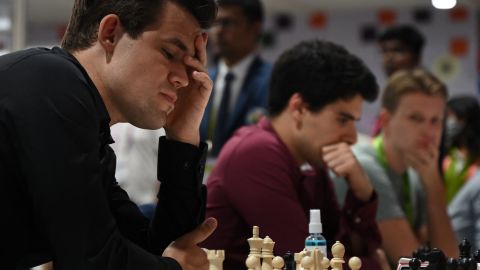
<point x="278" y="263"/>
<point x="298" y="258"/>
<point x="355" y="263"/>
<point x="325" y="263"/>
<point x="338" y="251"/>
<point x="252" y="262"/>
<point x="307" y="263"/>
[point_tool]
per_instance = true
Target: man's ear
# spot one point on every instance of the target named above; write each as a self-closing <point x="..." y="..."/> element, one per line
<point x="297" y="107"/>
<point x="109" y="32"/>
<point x="384" y="118"/>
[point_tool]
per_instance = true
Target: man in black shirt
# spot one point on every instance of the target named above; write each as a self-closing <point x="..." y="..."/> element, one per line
<point x="133" y="61"/>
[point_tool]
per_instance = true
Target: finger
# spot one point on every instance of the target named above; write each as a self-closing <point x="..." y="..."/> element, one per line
<point x="342" y="169"/>
<point x="201" y="49"/>
<point x="204" y="79"/>
<point x="414" y="161"/>
<point x="194" y="63"/>
<point x="330" y="148"/>
<point x="205" y="37"/>
<point x="199" y="234"/>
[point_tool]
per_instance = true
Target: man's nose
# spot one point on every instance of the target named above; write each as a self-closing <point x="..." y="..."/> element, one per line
<point x="178" y="76"/>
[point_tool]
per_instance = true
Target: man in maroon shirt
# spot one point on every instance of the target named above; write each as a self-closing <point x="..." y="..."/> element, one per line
<point x="271" y="174"/>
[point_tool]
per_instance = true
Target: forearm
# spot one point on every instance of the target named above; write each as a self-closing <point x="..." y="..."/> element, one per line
<point x="358" y="225"/>
<point x="181" y="199"/>
<point x="440" y="231"/>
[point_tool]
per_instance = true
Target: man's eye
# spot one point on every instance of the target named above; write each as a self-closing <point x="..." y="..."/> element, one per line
<point x="167" y="54"/>
<point x="342" y="121"/>
<point x="416" y="118"/>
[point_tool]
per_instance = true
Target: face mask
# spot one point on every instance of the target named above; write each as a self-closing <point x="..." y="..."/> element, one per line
<point x="453" y="128"/>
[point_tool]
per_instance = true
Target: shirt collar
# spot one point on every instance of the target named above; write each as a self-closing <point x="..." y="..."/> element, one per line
<point x="238" y="69"/>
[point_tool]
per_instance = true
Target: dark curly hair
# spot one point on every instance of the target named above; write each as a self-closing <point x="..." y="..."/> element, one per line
<point x="134" y="15"/>
<point x="467" y="110"/>
<point x="321" y="72"/>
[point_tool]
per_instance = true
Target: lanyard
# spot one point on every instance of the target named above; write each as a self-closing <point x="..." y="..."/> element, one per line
<point x="455" y="179"/>
<point x="407" y="201"/>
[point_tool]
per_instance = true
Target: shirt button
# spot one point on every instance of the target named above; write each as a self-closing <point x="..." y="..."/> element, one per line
<point x="357" y="220"/>
<point x="186" y="166"/>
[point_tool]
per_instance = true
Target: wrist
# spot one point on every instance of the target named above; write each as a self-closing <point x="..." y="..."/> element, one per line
<point x="193" y="139"/>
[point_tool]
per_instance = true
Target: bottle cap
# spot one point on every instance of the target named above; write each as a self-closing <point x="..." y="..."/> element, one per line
<point x="315" y="225"/>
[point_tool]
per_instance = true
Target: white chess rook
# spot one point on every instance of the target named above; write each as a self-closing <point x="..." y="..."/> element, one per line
<point x="215" y="258"/>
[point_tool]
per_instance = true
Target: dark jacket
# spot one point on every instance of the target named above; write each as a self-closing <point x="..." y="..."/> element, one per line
<point x="253" y="95"/>
<point x="58" y="194"/>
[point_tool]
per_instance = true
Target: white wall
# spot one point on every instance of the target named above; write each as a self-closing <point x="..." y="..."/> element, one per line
<point x="344" y="27"/>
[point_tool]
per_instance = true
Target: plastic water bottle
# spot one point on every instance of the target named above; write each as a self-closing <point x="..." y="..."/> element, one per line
<point x="316" y="239"/>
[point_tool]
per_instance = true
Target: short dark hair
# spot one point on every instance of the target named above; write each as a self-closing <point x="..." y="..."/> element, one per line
<point x="252" y="9"/>
<point x="321" y="72"/>
<point x="467" y="110"/>
<point x="134" y="15"/>
<point x="406" y="34"/>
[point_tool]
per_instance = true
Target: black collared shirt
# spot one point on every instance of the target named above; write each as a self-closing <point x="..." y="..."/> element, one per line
<point x="59" y="199"/>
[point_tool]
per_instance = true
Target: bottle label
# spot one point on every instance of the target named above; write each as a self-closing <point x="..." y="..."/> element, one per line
<point x="312" y="244"/>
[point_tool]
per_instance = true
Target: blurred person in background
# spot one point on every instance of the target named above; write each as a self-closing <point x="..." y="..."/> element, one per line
<point x="240" y="76"/>
<point x="402" y="164"/>
<point x="462" y="177"/>
<point x="462" y="140"/>
<point x="401" y="47"/>
<point x="272" y="173"/>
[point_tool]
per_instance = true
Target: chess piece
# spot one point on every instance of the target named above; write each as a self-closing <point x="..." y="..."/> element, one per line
<point x="476" y="256"/>
<point x="278" y="263"/>
<point x="354" y="263"/>
<point x="252" y="262"/>
<point x="436" y="259"/>
<point x="415" y="263"/>
<point x="338" y="251"/>
<point x="464" y="248"/>
<point x="289" y="261"/>
<point x="452" y="264"/>
<point x="267" y="253"/>
<point x="255" y="243"/>
<point x="317" y="258"/>
<point x="298" y="258"/>
<point x="325" y="263"/>
<point x="465" y="261"/>
<point x="215" y="259"/>
<point x="307" y="263"/>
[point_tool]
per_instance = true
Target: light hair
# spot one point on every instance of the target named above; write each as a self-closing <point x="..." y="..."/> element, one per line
<point x="417" y="80"/>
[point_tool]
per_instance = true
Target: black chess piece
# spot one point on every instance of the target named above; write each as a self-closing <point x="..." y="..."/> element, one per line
<point x="465" y="261"/>
<point x="436" y="259"/>
<point x="415" y="263"/>
<point x="452" y="264"/>
<point x="476" y="256"/>
<point x="289" y="261"/>
<point x="465" y="248"/>
<point x="465" y="264"/>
